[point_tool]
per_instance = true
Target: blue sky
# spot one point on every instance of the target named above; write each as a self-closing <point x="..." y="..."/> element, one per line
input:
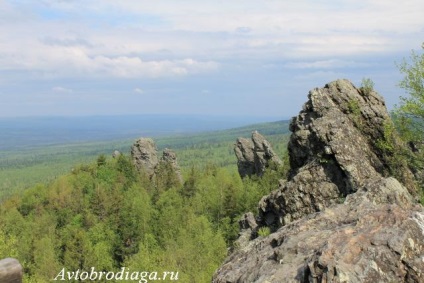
<point x="226" y="58"/>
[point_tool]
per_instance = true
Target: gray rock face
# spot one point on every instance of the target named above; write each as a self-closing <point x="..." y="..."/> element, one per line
<point x="375" y="236"/>
<point x="245" y="157"/>
<point x="169" y="157"/>
<point x="254" y="155"/>
<point x="145" y="158"/>
<point x="338" y="217"/>
<point x="144" y="155"/>
<point x="116" y="154"/>
<point x="10" y="271"/>
<point x="332" y="152"/>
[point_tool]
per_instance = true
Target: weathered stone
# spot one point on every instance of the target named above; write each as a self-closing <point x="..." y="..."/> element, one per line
<point x="332" y="152"/>
<point x="377" y="235"/>
<point x="116" y="154"/>
<point x="254" y="156"/>
<point x="169" y="157"/>
<point x="338" y="217"/>
<point x="245" y="157"/>
<point x="248" y="221"/>
<point x="144" y="156"/>
<point x="248" y="229"/>
<point x="10" y="271"/>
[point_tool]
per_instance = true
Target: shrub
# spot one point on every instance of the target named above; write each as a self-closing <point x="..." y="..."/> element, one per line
<point x="367" y="86"/>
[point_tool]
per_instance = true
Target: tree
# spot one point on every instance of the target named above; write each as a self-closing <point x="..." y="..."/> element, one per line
<point x="409" y="115"/>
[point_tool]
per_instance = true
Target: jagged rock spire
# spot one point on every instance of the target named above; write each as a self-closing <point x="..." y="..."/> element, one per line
<point x="254" y="155"/>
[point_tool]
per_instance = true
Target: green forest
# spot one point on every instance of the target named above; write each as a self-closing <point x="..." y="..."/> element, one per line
<point x="24" y="167"/>
<point x="105" y="214"/>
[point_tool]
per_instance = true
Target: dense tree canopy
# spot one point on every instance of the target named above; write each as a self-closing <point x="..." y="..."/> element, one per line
<point x="108" y="216"/>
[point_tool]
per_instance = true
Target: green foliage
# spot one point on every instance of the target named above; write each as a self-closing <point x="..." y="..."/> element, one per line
<point x="21" y="168"/>
<point x="387" y="143"/>
<point x="264" y="231"/>
<point x="101" y="160"/>
<point x="353" y="106"/>
<point x="409" y="115"/>
<point x="355" y="110"/>
<point x="388" y="146"/>
<point x="398" y="159"/>
<point x="7" y="245"/>
<point x="125" y="166"/>
<point x="411" y="108"/>
<point x="367" y="86"/>
<point x="105" y="214"/>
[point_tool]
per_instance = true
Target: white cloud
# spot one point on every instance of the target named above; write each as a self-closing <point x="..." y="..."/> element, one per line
<point x="138" y="90"/>
<point x="59" y="89"/>
<point x="326" y="64"/>
<point x="202" y="31"/>
<point x="229" y="41"/>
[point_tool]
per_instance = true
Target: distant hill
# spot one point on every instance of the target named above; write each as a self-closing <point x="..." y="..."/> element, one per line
<point x="39" y="131"/>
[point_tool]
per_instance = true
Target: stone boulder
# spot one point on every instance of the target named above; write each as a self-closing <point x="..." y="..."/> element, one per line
<point x="254" y="155"/>
<point x="10" y="271"/>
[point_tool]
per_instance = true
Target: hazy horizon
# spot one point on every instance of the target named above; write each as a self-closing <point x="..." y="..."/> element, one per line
<point x="22" y="132"/>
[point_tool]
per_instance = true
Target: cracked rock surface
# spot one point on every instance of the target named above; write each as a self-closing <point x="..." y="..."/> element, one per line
<point x="340" y="216"/>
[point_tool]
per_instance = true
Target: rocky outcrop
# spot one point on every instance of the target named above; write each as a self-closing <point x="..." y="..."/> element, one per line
<point x="169" y="157"/>
<point x="335" y="148"/>
<point x="339" y="217"/>
<point x="375" y="236"/>
<point x="10" y="271"/>
<point x="254" y="155"/>
<point x="145" y="158"/>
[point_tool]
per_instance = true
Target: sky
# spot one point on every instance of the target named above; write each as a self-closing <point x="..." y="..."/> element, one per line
<point x="224" y="58"/>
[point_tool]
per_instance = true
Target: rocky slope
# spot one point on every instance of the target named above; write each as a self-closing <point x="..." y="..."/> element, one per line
<point x="339" y="217"/>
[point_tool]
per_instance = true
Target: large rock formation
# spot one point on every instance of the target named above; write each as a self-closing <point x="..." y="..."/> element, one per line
<point x="334" y="150"/>
<point x="375" y="236"/>
<point x="145" y="158"/>
<point x="340" y="217"/>
<point x="169" y="157"/>
<point x="144" y="155"/>
<point x="254" y="155"/>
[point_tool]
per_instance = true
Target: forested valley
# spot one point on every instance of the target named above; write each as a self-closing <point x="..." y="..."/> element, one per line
<point x="105" y="214"/>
